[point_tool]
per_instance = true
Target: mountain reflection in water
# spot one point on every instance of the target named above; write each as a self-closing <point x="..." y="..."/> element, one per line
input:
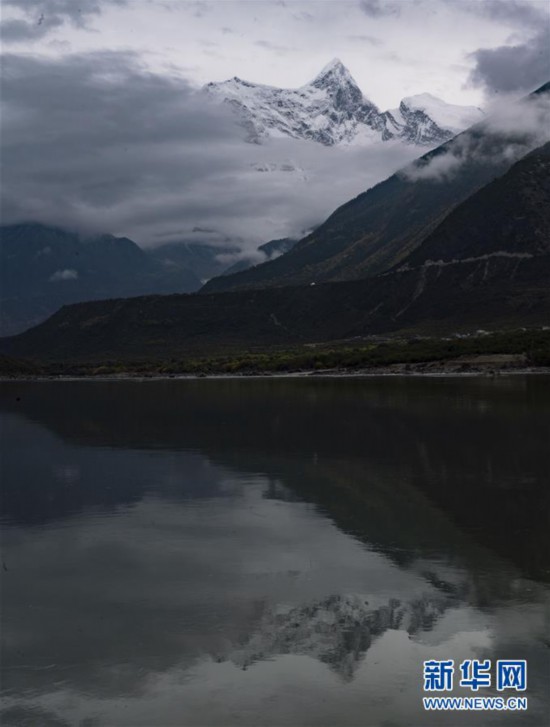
<point x="278" y="552"/>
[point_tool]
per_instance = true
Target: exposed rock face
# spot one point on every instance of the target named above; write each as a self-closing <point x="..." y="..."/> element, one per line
<point x="332" y="110"/>
<point x="383" y="226"/>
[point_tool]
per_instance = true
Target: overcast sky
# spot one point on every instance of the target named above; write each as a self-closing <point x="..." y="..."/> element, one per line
<point x="102" y="125"/>
<point x="393" y="48"/>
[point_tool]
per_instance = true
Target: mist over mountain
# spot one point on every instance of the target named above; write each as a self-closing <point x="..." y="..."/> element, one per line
<point x="206" y="261"/>
<point x="235" y="195"/>
<point x="165" y="159"/>
<point x="499" y="279"/>
<point x="43" y="268"/>
<point x="379" y="228"/>
<point x="268" y="251"/>
<point x="275" y="362"/>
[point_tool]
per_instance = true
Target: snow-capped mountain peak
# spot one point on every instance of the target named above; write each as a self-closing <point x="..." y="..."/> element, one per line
<point x="335" y="66"/>
<point x="331" y="109"/>
<point x="447" y="116"/>
<point x="333" y="74"/>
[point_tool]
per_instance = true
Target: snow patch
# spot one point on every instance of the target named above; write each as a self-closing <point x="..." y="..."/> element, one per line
<point x="332" y="110"/>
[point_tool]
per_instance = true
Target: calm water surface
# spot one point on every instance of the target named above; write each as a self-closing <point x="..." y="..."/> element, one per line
<point x="270" y="552"/>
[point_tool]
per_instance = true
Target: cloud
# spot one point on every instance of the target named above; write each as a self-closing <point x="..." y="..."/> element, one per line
<point x="379" y="8"/>
<point x="40" y="17"/>
<point x="519" y="14"/>
<point x="60" y="275"/>
<point x="512" y="68"/>
<point x="437" y="169"/>
<point x="527" y="119"/>
<point x="91" y="132"/>
<point x="14" y="31"/>
<point x="523" y="63"/>
<point x="268" y="45"/>
<point x="94" y="142"/>
<point x="509" y="133"/>
<point x="369" y="39"/>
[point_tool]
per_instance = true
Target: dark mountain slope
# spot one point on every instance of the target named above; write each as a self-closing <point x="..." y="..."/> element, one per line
<point x="436" y="301"/>
<point x="381" y="227"/>
<point x="270" y="250"/>
<point x="203" y="259"/>
<point x="510" y="215"/>
<point x="507" y="284"/>
<point x="43" y="268"/>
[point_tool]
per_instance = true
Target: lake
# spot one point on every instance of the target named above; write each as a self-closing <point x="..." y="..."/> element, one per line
<point x="271" y="551"/>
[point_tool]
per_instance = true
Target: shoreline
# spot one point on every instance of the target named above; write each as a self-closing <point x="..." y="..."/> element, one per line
<point x="394" y="371"/>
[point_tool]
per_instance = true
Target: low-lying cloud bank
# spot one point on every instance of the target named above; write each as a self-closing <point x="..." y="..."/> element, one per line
<point x="517" y="128"/>
<point x="97" y="143"/>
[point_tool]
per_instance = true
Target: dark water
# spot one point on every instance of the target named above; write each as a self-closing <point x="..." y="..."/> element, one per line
<point x="272" y="552"/>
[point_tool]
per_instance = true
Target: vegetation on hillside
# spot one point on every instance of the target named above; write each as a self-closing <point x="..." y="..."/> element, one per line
<point x="524" y="348"/>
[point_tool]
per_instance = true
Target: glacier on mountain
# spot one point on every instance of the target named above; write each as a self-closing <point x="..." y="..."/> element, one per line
<point x="311" y="150"/>
<point x="332" y="110"/>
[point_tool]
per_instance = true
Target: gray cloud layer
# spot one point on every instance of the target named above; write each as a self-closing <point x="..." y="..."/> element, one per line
<point x="517" y="66"/>
<point x="379" y="8"/>
<point x="522" y="14"/>
<point x="94" y="141"/>
<point x="516" y="128"/>
<point x="42" y="16"/>
<point x="88" y="132"/>
<point x="513" y="68"/>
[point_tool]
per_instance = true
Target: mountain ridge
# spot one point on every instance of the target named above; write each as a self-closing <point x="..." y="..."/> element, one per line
<point x="502" y="287"/>
<point x="379" y="228"/>
<point x="331" y="109"/>
<point x="45" y="267"/>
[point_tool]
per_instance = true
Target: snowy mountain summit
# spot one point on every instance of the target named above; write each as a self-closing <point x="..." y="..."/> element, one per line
<point x="331" y="110"/>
